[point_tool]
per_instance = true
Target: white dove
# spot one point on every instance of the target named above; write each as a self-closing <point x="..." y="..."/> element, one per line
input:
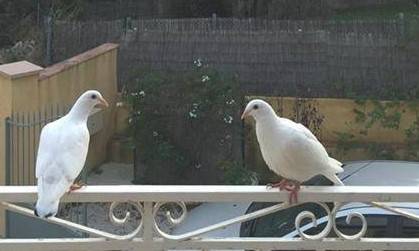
<point x="62" y="153"/>
<point x="290" y="149"/>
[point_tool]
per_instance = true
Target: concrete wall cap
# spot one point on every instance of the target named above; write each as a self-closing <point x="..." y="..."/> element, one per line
<point x="19" y="69"/>
<point x="76" y="60"/>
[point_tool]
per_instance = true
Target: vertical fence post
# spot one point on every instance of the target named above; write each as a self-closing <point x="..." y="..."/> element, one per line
<point x="8" y="146"/>
<point x="214" y="21"/>
<point x="48" y="38"/>
<point x="402" y="25"/>
<point x="38" y="11"/>
<point x="8" y="167"/>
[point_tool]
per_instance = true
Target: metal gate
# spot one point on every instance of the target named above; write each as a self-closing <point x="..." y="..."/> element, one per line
<point x="22" y="138"/>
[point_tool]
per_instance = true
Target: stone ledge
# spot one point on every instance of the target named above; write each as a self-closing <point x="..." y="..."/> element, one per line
<point x="80" y="58"/>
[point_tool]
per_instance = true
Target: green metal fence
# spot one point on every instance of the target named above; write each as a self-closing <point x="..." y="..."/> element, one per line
<point x="22" y="138"/>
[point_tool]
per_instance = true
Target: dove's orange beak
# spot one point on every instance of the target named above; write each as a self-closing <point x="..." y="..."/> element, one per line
<point x="245" y="114"/>
<point x="103" y="102"/>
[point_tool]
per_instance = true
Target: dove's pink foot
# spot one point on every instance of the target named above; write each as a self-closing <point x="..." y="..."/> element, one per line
<point x="289" y="185"/>
<point x="75" y="186"/>
<point x="293" y="196"/>
<point x="283" y="184"/>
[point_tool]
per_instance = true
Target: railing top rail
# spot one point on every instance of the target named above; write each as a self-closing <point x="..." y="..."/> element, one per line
<point x="214" y="243"/>
<point x="195" y="239"/>
<point x="155" y="193"/>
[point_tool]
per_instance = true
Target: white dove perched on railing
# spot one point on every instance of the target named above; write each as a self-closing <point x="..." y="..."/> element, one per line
<point x="290" y="149"/>
<point x="293" y="152"/>
<point x="62" y="153"/>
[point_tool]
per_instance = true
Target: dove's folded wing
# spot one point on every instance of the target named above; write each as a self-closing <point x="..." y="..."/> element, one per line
<point x="308" y="157"/>
<point x="47" y="141"/>
<point x="300" y="127"/>
<point x="335" y="164"/>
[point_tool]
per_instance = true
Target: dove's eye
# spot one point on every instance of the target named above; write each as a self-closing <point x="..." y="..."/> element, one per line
<point x="255" y="107"/>
<point x="93" y="96"/>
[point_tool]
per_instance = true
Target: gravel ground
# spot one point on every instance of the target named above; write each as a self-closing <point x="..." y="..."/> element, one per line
<point x="97" y="214"/>
<point x="112" y="174"/>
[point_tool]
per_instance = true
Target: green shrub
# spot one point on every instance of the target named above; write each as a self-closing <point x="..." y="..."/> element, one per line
<point x="184" y="121"/>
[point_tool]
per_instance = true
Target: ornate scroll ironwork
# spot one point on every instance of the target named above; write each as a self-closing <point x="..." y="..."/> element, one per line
<point x="82" y="228"/>
<point x="330" y="225"/>
<point x="178" y="219"/>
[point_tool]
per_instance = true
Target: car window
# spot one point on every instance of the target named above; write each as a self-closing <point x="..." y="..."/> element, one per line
<point x="379" y="226"/>
<point x="281" y="223"/>
<point x="410" y="228"/>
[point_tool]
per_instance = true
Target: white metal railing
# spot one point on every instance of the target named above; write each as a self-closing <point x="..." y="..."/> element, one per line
<point x="148" y="200"/>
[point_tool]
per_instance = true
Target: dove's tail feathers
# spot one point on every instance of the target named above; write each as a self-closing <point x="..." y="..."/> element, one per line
<point x="335" y="165"/>
<point x="335" y="162"/>
<point x="335" y="179"/>
<point x="45" y="209"/>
